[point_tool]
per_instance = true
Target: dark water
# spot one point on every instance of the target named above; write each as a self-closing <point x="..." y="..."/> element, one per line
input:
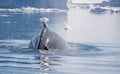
<point x="94" y="39"/>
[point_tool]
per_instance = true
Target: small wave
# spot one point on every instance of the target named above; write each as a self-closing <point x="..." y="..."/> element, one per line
<point x="7" y="22"/>
<point x="18" y="56"/>
<point x="106" y="45"/>
<point x="15" y="41"/>
<point x="79" y="46"/>
<point x="17" y="65"/>
<point x="4" y="15"/>
<point x="14" y="44"/>
<point x="29" y="10"/>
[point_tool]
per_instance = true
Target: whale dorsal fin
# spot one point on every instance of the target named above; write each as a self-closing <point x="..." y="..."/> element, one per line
<point x="44" y="24"/>
<point x="44" y="20"/>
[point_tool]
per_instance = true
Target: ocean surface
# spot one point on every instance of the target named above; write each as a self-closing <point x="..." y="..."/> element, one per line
<point x="94" y="39"/>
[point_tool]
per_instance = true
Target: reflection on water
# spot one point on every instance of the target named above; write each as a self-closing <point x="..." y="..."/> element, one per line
<point x="94" y="39"/>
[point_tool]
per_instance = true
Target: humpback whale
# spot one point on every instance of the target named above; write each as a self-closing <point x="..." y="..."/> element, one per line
<point x="48" y="40"/>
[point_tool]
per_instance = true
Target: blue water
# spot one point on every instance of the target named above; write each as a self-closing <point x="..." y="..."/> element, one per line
<point x="94" y="40"/>
<point x="60" y="4"/>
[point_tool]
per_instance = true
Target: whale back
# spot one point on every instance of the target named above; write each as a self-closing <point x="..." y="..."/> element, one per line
<point x="51" y="40"/>
<point x="48" y="40"/>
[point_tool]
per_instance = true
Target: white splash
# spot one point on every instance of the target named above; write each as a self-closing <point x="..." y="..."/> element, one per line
<point x="67" y="28"/>
<point x="44" y="19"/>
